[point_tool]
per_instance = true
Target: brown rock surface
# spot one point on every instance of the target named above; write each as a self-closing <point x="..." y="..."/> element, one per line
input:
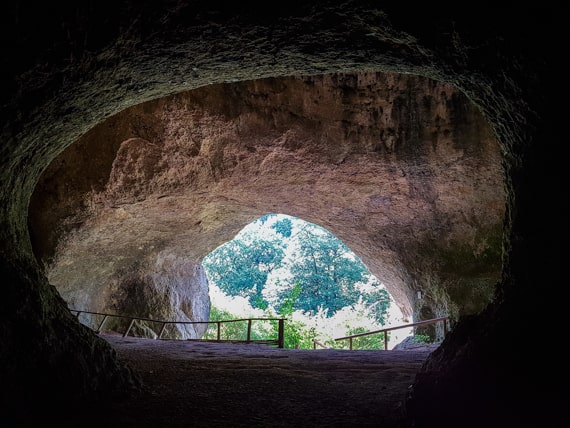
<point x="403" y="169"/>
<point x="220" y="385"/>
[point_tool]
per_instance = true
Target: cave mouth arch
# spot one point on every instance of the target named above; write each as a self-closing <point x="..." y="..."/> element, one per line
<point x="402" y="168"/>
<point x="280" y="265"/>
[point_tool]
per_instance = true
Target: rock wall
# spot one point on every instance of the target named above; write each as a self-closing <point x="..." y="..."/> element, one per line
<point x="403" y="169"/>
<point x="158" y="286"/>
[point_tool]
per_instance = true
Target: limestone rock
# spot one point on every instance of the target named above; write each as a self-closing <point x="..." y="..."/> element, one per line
<point x="403" y="169"/>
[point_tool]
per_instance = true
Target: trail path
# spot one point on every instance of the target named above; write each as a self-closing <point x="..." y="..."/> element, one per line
<point x="201" y="384"/>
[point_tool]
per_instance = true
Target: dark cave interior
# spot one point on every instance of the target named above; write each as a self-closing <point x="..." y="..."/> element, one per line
<point x="86" y="62"/>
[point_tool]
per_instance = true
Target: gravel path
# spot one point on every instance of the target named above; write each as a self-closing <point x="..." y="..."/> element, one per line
<point x="202" y="384"/>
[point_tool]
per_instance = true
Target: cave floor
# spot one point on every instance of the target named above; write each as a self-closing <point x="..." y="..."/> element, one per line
<point x="237" y="385"/>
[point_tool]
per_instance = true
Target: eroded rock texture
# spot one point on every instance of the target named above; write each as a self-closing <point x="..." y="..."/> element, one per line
<point x="69" y="67"/>
<point x="403" y="169"/>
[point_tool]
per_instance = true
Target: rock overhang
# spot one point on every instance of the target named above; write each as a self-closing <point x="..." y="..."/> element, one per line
<point x="403" y="169"/>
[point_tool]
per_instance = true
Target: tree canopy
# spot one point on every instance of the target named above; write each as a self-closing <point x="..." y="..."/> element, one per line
<point x="281" y="252"/>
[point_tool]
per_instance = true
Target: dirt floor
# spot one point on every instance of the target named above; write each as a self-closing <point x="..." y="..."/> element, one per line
<point x="202" y="384"/>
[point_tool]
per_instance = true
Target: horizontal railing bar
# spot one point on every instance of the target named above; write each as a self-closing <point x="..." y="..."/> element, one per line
<point x="415" y="324"/>
<point x="279" y="341"/>
<point x="173" y="322"/>
<point x="272" y="341"/>
<point x="322" y="345"/>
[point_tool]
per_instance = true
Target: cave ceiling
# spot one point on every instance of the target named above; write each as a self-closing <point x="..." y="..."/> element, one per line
<point x="403" y="169"/>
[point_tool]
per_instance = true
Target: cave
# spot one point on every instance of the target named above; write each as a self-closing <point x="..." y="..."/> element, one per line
<point x="88" y="66"/>
<point x="404" y="169"/>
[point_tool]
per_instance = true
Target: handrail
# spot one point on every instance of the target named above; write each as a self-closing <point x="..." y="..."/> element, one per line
<point x="280" y="335"/>
<point x="317" y="343"/>
<point x="384" y="330"/>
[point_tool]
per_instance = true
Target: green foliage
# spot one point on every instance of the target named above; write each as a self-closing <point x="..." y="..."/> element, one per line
<point x="296" y="334"/>
<point x="260" y="329"/>
<point x="423" y="339"/>
<point x="284" y="227"/>
<point x="228" y="331"/>
<point x="368" y="342"/>
<point x="240" y="268"/>
<point x="317" y="273"/>
<point x="330" y="274"/>
<point x="290" y="301"/>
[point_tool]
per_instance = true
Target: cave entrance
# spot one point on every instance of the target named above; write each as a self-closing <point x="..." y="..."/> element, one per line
<point x="404" y="170"/>
<point x="282" y="266"/>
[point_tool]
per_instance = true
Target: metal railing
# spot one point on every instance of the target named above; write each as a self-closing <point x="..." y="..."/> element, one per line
<point x="445" y="321"/>
<point x="319" y="344"/>
<point x="280" y="341"/>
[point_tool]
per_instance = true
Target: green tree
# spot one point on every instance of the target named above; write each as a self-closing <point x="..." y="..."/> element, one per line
<point x="240" y="267"/>
<point x="368" y="342"/>
<point x="228" y="331"/>
<point x="237" y="328"/>
<point x="284" y="227"/>
<point x="376" y="301"/>
<point x="330" y="274"/>
<point x="296" y="334"/>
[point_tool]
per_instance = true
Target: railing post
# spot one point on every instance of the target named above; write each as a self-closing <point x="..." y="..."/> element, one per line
<point x="102" y="322"/>
<point x="350" y="340"/>
<point x="129" y="329"/>
<point x="445" y="327"/>
<point x="219" y="329"/>
<point x="385" y="341"/>
<point x="161" y="330"/>
<point x="281" y="334"/>
<point x="249" y="330"/>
